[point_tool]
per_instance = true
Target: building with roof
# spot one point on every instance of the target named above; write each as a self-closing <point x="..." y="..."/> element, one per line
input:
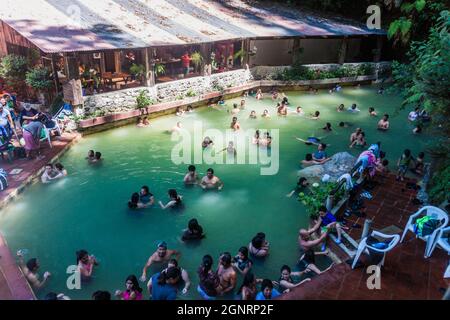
<point x="119" y="43"/>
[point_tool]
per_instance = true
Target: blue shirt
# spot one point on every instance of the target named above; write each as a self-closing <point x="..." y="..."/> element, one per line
<point x="162" y="292"/>
<point x="260" y="295"/>
<point x="327" y="219"/>
<point x="320" y="155"/>
<point x="145" y="198"/>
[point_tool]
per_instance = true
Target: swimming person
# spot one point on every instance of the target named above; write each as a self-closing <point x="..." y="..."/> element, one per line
<point x="226" y="273"/>
<point x="417" y="129"/>
<point x="340" y="108"/>
<point x="210" y="181"/>
<point x="146" y="197"/>
<point x="265" y="114"/>
<point x="97" y="158"/>
<point x="59" y="171"/>
<point x="315" y="116"/>
<point x="161" y="255"/>
<point x="235" y="109"/>
<point x="327" y="127"/>
<point x="241" y="262"/>
<point x="259" y="246"/>
<point x="355" y="135"/>
<point x="353" y="108"/>
<point x="309" y="161"/>
<point x="320" y="155"/>
<point x="286" y="282"/>
<point x="230" y="149"/>
<point x="184" y="276"/>
<point x="193" y="232"/>
<point x="235" y="124"/>
<point x="242" y="106"/>
<point x="48" y="174"/>
<point x="209" y="281"/>
<point x="176" y="128"/>
<point x="174" y="202"/>
<point x="207" y="142"/>
<point x="282" y="110"/>
<point x="86" y="263"/>
<point x="30" y="271"/>
<point x="191" y="176"/>
<point x="253" y="114"/>
<point x="133" y="290"/>
<point x="383" y="124"/>
<point x="299" y="111"/>
<point x="248" y="290"/>
<point x="372" y="112"/>
<point x="140" y="123"/>
<point x="360" y="140"/>
<point x="267" y="291"/>
<point x="179" y="112"/>
<point x="135" y="202"/>
<point x="90" y="156"/>
<point x="162" y="285"/>
<point x="302" y="184"/>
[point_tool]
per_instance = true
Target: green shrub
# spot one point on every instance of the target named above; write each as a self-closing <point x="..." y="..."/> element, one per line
<point x="143" y="100"/>
<point x="440" y="186"/>
<point x="191" y="93"/>
<point x="318" y="196"/>
<point x="39" y="78"/>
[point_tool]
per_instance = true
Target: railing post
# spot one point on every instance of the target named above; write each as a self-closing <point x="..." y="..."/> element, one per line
<point x="330" y="202"/>
<point x="366" y="229"/>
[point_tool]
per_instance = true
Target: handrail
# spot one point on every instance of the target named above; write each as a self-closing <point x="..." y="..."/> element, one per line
<point x="342" y="182"/>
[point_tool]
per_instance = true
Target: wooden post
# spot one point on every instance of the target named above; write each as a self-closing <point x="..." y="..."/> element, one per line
<point x="71" y="64"/>
<point x="377" y="53"/>
<point x="117" y="62"/>
<point x="343" y="51"/>
<point x="55" y="74"/>
<point x="149" y="78"/>
<point x="296" y="51"/>
<point x="246" y="46"/>
<point x="102" y="63"/>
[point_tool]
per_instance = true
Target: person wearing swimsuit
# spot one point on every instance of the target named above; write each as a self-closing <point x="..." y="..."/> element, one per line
<point x="133" y="290"/>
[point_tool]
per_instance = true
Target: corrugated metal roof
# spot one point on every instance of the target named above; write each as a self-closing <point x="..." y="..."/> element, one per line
<point x="89" y="25"/>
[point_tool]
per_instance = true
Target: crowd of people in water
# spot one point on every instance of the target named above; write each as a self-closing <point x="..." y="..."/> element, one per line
<point x="222" y="281"/>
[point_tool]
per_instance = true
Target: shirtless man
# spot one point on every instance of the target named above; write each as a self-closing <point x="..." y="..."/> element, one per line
<point x="306" y="246"/>
<point x="210" y="181"/>
<point x="176" y="128"/>
<point x="161" y="255"/>
<point x="30" y="270"/>
<point x="191" y="177"/>
<point x="226" y="273"/>
<point x="383" y="124"/>
<point x="235" y="124"/>
<point x="235" y="109"/>
<point x="354" y="135"/>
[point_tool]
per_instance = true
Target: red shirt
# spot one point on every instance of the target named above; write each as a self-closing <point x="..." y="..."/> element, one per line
<point x="185" y="59"/>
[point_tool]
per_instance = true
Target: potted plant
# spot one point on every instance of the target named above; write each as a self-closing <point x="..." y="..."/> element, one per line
<point x="39" y="79"/>
<point x="160" y="69"/>
<point x="197" y="60"/>
<point x="137" y="71"/>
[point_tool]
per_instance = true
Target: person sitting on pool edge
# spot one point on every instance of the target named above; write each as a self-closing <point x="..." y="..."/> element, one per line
<point x="267" y="291"/>
<point x="161" y="255"/>
<point x="286" y="283"/>
<point x="328" y="221"/>
<point x="174" y="202"/>
<point x="383" y="124"/>
<point x="210" y="181"/>
<point x="86" y="264"/>
<point x="191" y="176"/>
<point x="259" y="246"/>
<point x="30" y="270"/>
<point x="320" y="155"/>
<point x="302" y="184"/>
<point x="193" y="232"/>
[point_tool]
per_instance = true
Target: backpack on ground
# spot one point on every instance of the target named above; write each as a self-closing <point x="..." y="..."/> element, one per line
<point x="425" y="226"/>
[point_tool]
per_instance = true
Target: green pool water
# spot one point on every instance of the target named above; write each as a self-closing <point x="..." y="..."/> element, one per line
<point x="88" y="210"/>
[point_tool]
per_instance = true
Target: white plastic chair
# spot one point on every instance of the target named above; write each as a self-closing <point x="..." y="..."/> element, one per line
<point x="363" y="246"/>
<point x="443" y="242"/>
<point x="56" y="127"/>
<point x="432" y="238"/>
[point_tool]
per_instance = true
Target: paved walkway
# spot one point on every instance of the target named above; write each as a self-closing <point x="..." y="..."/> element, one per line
<point x="406" y="274"/>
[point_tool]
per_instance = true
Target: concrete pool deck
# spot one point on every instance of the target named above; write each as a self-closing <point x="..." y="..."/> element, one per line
<point x="406" y="273"/>
<point x="13" y="285"/>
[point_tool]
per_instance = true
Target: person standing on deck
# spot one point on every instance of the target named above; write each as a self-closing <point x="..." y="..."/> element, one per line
<point x="186" y="61"/>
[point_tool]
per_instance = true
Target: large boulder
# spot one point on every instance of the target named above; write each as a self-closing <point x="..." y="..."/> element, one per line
<point x="340" y="163"/>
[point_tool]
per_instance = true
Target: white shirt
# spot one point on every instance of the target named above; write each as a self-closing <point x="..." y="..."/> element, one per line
<point x="412" y="116"/>
<point x="4" y="117"/>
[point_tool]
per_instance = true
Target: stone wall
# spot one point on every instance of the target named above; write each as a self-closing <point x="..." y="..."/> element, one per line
<point x="125" y="100"/>
<point x="270" y="73"/>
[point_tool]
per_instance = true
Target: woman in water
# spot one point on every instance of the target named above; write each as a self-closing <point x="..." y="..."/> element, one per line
<point x="253" y="114"/>
<point x="60" y="171"/>
<point x="140" y="123"/>
<point x="209" y="281"/>
<point x="235" y="124"/>
<point x="259" y="247"/>
<point x="360" y="140"/>
<point x="135" y="203"/>
<point x="286" y="282"/>
<point x="241" y="262"/>
<point x="193" y="232"/>
<point x="174" y="202"/>
<point x="265" y="114"/>
<point x="85" y="264"/>
<point x="340" y="108"/>
<point x="132" y="292"/>
<point x="248" y="289"/>
<point x="372" y="112"/>
<point x="90" y="156"/>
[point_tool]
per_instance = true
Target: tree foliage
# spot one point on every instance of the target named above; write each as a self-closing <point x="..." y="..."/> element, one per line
<point x="39" y="78"/>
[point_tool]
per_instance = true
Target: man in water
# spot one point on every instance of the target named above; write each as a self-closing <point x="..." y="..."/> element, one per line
<point x="226" y="273"/>
<point x="210" y="181"/>
<point x="30" y="270"/>
<point x="176" y="128"/>
<point x="146" y="197"/>
<point x="320" y="155"/>
<point x="383" y="124"/>
<point x="230" y="149"/>
<point x="161" y="255"/>
<point x="191" y="177"/>
<point x="307" y="248"/>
